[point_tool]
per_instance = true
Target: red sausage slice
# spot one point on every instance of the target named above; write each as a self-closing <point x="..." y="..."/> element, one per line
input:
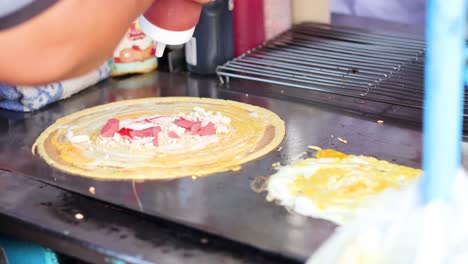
<point x="195" y="128"/>
<point x="126" y="132"/>
<point x="173" y="134"/>
<point x="182" y="122"/>
<point x="147" y="132"/>
<point x="110" y="128"/>
<point x="207" y="130"/>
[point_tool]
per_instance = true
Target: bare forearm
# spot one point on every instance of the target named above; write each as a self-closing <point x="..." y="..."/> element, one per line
<point x="69" y="39"/>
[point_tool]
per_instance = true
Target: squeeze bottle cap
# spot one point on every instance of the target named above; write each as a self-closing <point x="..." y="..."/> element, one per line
<point x="163" y="37"/>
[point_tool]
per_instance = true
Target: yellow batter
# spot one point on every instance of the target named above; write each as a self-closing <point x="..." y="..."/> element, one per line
<point x="75" y="145"/>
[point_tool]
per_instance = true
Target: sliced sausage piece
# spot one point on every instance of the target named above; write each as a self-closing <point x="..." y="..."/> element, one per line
<point x="110" y="128"/>
<point x="173" y="134"/>
<point x="195" y="128"/>
<point x="182" y="122"/>
<point x="207" y="130"/>
<point x="126" y="132"/>
<point x="147" y="132"/>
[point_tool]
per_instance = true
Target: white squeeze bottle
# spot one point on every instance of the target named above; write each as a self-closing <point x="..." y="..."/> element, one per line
<point x="170" y="22"/>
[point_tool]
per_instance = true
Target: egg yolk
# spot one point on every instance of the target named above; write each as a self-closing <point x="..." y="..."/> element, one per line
<point x="330" y="153"/>
<point x="348" y="180"/>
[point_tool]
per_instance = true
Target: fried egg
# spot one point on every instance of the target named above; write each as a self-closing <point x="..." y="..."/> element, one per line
<point x="335" y="186"/>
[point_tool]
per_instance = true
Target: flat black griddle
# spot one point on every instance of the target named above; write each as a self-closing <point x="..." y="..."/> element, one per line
<point x="224" y="204"/>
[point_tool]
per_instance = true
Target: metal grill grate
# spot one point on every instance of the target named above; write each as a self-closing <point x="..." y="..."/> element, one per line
<point x="383" y="68"/>
<point x="380" y="67"/>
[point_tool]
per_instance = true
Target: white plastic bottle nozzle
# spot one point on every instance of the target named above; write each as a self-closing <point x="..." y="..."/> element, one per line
<point x="159" y="48"/>
<point x="163" y="37"/>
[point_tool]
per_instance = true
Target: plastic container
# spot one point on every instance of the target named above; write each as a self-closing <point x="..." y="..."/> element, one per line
<point x="212" y="43"/>
<point x="134" y="54"/>
<point x="170" y="22"/>
<point x="249" y="29"/>
<point x="278" y="17"/>
<point x="311" y="11"/>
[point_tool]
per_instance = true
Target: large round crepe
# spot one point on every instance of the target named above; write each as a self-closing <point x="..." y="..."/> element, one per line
<point x="255" y="131"/>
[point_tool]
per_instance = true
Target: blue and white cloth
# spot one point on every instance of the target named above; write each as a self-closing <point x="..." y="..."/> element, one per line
<point x="31" y="98"/>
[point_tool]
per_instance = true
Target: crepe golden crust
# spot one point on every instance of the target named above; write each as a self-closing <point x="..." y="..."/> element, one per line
<point x="255" y="132"/>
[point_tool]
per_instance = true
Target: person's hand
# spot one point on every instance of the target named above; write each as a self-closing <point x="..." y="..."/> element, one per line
<point x="69" y="39"/>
